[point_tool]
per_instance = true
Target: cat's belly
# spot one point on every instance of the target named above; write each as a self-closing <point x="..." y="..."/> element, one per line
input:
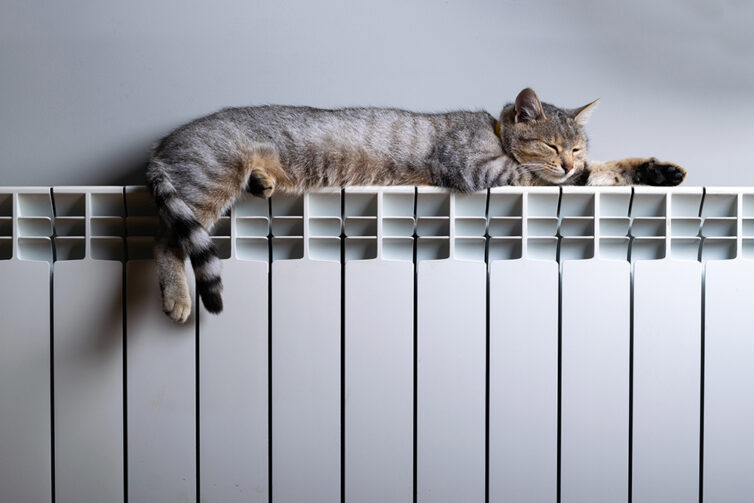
<point x="357" y="170"/>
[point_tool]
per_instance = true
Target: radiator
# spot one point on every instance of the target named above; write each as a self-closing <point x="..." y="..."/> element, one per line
<point x="384" y="345"/>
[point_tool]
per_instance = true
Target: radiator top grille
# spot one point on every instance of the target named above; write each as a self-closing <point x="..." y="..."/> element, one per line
<point x="507" y="223"/>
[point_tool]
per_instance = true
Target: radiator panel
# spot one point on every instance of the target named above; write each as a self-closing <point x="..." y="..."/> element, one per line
<point x="161" y="394"/>
<point x="306" y="421"/>
<point x="595" y="379"/>
<point x="26" y="251"/>
<point x="379" y="367"/>
<point x="666" y="380"/>
<point x="728" y="382"/>
<point x="523" y="409"/>
<point x="234" y="387"/>
<point x="88" y="351"/>
<point x="523" y="344"/>
<point x="451" y="345"/>
<point x="25" y="406"/>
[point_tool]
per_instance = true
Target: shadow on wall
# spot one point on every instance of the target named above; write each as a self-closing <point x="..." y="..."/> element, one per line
<point x="130" y="174"/>
<point x="124" y="166"/>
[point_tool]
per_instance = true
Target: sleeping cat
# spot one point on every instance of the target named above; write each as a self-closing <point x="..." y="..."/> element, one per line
<point x="198" y="171"/>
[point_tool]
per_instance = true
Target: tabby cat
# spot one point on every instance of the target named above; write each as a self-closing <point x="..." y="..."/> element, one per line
<point x="198" y="171"/>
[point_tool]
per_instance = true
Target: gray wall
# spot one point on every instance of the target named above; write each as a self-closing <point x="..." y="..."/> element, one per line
<point x="87" y="86"/>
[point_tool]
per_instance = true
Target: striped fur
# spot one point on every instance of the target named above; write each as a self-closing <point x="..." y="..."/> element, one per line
<point x="179" y="225"/>
<point x="200" y="169"/>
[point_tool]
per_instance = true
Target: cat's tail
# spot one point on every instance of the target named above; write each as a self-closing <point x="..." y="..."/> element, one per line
<point x="179" y="220"/>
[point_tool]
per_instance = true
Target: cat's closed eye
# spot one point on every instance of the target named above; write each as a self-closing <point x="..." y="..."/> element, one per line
<point x="543" y="143"/>
<point x="554" y="147"/>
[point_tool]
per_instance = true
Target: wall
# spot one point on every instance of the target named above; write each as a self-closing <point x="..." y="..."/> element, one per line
<point x="87" y="86"/>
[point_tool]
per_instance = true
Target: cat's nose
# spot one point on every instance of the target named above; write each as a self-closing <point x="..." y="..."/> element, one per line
<point x="567" y="167"/>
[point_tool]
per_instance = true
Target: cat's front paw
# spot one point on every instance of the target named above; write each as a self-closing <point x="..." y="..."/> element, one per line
<point x="654" y="172"/>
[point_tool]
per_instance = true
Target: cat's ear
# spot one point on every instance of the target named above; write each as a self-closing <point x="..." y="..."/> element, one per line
<point x="528" y="106"/>
<point x="581" y="115"/>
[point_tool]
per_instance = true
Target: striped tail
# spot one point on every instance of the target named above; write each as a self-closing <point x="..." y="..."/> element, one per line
<point x="184" y="229"/>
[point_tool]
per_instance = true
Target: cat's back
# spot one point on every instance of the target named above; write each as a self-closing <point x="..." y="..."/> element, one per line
<point x="373" y="144"/>
<point x="377" y="133"/>
<point x="363" y="124"/>
<point x="318" y="124"/>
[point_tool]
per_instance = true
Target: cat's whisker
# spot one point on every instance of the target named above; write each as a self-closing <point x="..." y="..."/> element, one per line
<point x="539" y="168"/>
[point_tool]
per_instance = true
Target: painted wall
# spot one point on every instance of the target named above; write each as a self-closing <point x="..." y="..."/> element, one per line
<point x="87" y="86"/>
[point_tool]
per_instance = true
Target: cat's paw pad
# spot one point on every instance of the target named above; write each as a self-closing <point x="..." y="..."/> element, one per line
<point x="268" y="190"/>
<point x="654" y="172"/>
<point x="177" y="307"/>
<point x="261" y="184"/>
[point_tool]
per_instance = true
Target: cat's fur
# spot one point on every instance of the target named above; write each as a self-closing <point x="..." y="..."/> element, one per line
<point x="201" y="168"/>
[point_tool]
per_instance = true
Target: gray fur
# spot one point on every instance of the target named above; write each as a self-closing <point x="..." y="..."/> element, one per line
<point x="201" y="168"/>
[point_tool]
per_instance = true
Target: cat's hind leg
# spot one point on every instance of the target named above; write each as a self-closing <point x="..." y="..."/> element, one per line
<point x="261" y="183"/>
<point x="176" y="301"/>
<point x="265" y="171"/>
<point x="190" y="198"/>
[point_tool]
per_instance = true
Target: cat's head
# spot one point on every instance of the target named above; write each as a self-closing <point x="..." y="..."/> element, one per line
<point x="547" y="140"/>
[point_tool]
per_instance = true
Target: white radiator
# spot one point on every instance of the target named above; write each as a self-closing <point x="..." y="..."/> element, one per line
<point x="384" y="345"/>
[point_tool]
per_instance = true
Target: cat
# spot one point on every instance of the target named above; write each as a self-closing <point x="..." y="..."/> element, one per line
<point x="198" y="171"/>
